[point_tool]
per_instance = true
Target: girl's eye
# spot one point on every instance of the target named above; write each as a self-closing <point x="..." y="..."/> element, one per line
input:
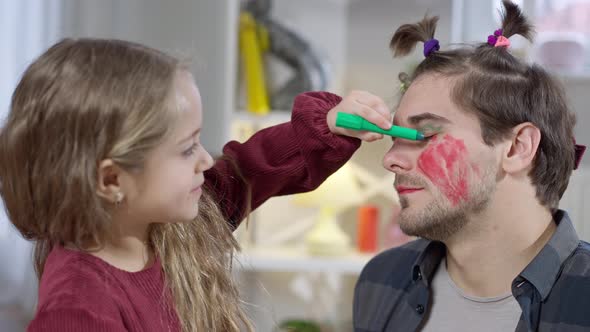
<point x="190" y="151"/>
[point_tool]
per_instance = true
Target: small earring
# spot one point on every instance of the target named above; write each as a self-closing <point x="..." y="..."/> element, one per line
<point x="118" y="198"/>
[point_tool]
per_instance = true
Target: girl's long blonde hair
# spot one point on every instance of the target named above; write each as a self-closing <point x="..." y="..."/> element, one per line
<point x="87" y="100"/>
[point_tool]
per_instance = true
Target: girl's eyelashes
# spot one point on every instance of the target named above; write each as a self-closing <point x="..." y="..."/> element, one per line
<point x="190" y="151"/>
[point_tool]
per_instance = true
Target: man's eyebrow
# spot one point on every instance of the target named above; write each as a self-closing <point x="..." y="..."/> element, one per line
<point x="417" y="119"/>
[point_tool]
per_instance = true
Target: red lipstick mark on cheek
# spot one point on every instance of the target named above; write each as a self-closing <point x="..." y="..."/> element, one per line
<point x="445" y="162"/>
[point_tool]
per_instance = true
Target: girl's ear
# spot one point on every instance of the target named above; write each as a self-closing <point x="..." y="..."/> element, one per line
<point x="108" y="186"/>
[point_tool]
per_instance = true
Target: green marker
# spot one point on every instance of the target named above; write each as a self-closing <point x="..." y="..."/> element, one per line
<point x="355" y="122"/>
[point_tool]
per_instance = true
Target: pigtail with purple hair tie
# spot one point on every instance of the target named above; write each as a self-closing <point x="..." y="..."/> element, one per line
<point x="431" y="46"/>
<point x="497" y="40"/>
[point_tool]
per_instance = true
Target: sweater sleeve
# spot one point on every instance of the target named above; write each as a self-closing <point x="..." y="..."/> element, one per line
<point x="288" y="158"/>
<point x="73" y="320"/>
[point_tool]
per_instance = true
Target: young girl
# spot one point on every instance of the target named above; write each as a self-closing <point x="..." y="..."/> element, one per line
<point x="100" y="164"/>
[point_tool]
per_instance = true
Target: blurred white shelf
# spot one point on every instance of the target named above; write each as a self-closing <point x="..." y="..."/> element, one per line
<point x="273" y="116"/>
<point x="244" y="124"/>
<point x="283" y="259"/>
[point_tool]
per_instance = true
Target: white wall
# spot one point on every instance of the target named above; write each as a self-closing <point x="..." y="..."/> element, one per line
<point x="198" y="31"/>
<point x="371" y="65"/>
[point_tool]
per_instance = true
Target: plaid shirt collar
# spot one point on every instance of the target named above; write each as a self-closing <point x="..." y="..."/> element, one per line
<point x="542" y="272"/>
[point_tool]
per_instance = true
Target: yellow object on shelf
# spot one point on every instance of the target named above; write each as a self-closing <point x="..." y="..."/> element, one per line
<point x="326" y="237"/>
<point x="253" y="40"/>
<point x="341" y="190"/>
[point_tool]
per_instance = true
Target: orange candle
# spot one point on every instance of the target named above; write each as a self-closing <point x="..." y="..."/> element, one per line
<point x="368" y="223"/>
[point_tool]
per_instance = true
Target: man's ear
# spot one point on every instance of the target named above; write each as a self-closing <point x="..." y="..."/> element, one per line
<point x="521" y="151"/>
<point x="108" y="186"/>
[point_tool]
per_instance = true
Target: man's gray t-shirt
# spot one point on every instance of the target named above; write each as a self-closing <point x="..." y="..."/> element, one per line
<point x="453" y="310"/>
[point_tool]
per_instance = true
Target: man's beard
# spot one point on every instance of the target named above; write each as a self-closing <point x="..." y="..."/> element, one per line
<point x="438" y="220"/>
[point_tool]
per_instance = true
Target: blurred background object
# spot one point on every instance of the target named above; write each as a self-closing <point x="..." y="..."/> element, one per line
<point x="563" y="35"/>
<point x="253" y="43"/>
<point x="562" y="51"/>
<point x="298" y="326"/>
<point x="308" y="72"/>
<point x="340" y="191"/>
<point x="367" y="228"/>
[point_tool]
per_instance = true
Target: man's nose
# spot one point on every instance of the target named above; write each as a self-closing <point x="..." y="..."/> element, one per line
<point x="400" y="158"/>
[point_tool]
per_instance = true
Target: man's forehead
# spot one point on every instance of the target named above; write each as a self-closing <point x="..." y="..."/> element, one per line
<point x="427" y="98"/>
<point x="415" y="117"/>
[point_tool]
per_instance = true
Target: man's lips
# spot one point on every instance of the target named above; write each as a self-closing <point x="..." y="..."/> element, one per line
<point x="401" y="190"/>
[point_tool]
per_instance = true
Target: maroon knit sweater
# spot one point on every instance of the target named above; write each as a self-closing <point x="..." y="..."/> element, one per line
<point x="80" y="292"/>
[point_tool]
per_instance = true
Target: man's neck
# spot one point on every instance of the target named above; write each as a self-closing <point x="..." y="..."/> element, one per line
<point x="498" y="244"/>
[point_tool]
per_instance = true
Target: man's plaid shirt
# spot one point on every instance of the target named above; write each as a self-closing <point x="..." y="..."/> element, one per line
<point x="393" y="291"/>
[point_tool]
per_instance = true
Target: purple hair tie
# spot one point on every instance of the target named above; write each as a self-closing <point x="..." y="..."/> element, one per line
<point x="430" y="47"/>
<point x="492" y="39"/>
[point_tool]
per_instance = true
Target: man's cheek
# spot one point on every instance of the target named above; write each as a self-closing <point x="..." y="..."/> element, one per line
<point x="446" y="163"/>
